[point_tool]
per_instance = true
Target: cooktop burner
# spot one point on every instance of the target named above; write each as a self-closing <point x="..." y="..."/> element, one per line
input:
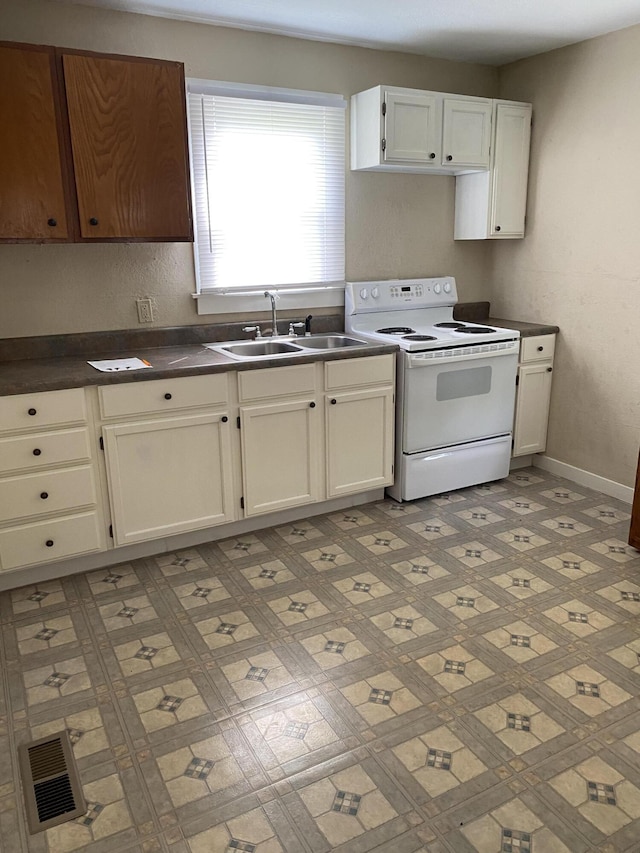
<point x="395" y="330"/>
<point x="419" y="338"/>
<point x="475" y="330"/>
<point x="449" y="326"/>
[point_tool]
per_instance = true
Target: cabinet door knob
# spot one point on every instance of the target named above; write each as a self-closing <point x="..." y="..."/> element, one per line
<point x="432" y="156"/>
<point x="312" y="405"/>
<point x="224" y="419"/>
<point x="36" y="451"/>
<point x="93" y="221"/>
<point x="167" y="396"/>
<point x="44" y="495"/>
<point x="498" y="228"/>
<point x="333" y="401"/>
<point x="449" y="157"/>
<point x="32" y="412"/>
<point x="52" y="222"/>
<point x="549" y="369"/>
<point x="540" y="349"/>
<point x="49" y="543"/>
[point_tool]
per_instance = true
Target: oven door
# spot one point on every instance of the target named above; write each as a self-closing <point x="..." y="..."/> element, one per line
<point x="457" y="395"/>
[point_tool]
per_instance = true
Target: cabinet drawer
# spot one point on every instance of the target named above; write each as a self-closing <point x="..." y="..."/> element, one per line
<point x="276" y="382"/>
<point x="162" y="395"/>
<point x="46" y="409"/>
<point x="50" y="540"/>
<point x="372" y="370"/>
<point x="47" y="491"/>
<point x="45" y="449"/>
<point x="537" y="348"/>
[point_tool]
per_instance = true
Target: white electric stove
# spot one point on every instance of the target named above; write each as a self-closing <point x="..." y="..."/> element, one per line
<point x="456" y="384"/>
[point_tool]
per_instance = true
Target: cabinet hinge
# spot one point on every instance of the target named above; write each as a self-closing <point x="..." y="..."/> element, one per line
<point x="517" y="380"/>
<point x="238" y="421"/>
<point x="241" y="503"/>
<point x="101" y="443"/>
<point x="111" y="530"/>
<point x="384" y="108"/>
<point x="384" y="144"/>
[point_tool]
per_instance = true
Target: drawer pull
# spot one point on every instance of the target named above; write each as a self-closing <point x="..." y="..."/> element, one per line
<point x="540" y="349"/>
<point x="224" y="419"/>
<point x="49" y="543"/>
<point x="312" y="405"/>
<point x="549" y="369"/>
<point x="333" y="401"/>
<point x="167" y="396"/>
<point x="44" y="495"/>
<point x="36" y="451"/>
<point x="32" y="412"/>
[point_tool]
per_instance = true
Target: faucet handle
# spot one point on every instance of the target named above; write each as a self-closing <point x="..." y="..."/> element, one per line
<point x="255" y="329"/>
<point x="294" y="326"/>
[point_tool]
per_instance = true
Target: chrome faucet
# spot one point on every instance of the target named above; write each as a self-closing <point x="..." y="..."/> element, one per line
<point x="274" y="321"/>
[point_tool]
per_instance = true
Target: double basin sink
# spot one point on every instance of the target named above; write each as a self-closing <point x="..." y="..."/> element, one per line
<point x="264" y="348"/>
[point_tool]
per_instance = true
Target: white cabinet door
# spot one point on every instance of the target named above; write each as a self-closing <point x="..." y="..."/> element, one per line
<point x="510" y="170"/>
<point x="281" y="455"/>
<point x="168" y="476"/>
<point x="412" y="128"/>
<point x="359" y="428"/>
<point x="466" y="132"/>
<point x="532" y="408"/>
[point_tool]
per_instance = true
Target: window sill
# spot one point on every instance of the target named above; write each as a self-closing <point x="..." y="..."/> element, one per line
<point x="254" y="300"/>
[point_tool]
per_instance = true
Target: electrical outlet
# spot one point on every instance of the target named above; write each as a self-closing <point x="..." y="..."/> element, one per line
<point x="145" y="310"/>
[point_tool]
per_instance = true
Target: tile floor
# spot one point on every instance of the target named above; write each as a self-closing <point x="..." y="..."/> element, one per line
<point x="456" y="675"/>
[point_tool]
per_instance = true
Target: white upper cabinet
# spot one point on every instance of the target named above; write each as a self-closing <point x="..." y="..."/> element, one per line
<point x="466" y="132"/>
<point x="410" y="130"/>
<point x="492" y="205"/>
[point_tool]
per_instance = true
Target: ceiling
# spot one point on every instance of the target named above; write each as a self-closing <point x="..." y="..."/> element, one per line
<point x="488" y="31"/>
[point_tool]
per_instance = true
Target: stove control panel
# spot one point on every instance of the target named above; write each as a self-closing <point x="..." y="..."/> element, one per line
<point x="368" y="296"/>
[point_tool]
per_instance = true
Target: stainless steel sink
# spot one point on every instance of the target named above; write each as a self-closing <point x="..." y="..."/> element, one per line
<point x="254" y="349"/>
<point x="330" y="342"/>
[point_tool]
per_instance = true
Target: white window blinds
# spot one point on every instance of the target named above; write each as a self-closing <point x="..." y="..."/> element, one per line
<point x="268" y="184"/>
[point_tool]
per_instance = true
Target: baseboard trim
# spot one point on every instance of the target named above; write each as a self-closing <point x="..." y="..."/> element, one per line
<point x="584" y="478"/>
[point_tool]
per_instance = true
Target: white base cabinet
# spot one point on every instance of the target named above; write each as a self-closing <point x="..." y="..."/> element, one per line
<point x="187" y="454"/>
<point x="168" y="476"/>
<point x="533" y="395"/>
<point x="50" y="503"/>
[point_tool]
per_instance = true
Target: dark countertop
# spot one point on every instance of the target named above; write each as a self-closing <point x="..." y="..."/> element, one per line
<point x="49" y="374"/>
<point x="480" y="312"/>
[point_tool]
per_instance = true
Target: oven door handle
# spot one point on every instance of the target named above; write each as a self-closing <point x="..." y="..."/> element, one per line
<point x="474" y="353"/>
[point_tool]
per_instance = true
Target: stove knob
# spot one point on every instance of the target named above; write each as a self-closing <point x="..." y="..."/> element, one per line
<point x="436" y="288"/>
<point x="375" y="293"/>
<point x="363" y="293"/>
<point x="447" y="287"/>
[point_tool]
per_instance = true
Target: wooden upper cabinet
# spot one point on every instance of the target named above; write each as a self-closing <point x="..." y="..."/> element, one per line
<point x="32" y="195"/>
<point x="127" y="122"/>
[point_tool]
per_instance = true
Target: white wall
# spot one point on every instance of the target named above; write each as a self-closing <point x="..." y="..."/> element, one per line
<point x="397" y="225"/>
<point x="579" y="266"/>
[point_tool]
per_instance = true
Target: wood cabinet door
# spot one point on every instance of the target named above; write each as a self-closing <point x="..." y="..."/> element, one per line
<point x="281" y="455"/>
<point x="168" y="476"/>
<point x="466" y="132"/>
<point x="127" y="120"/>
<point x="32" y="196"/>
<point x="359" y="428"/>
<point x="532" y="408"/>
<point x="510" y="171"/>
<point x="412" y="128"/>
<point x="634" y="532"/>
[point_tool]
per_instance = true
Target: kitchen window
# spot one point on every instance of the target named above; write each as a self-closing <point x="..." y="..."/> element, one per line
<point x="268" y="175"/>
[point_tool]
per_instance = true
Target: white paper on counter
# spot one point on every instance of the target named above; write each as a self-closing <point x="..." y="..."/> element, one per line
<point x="119" y="364"/>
